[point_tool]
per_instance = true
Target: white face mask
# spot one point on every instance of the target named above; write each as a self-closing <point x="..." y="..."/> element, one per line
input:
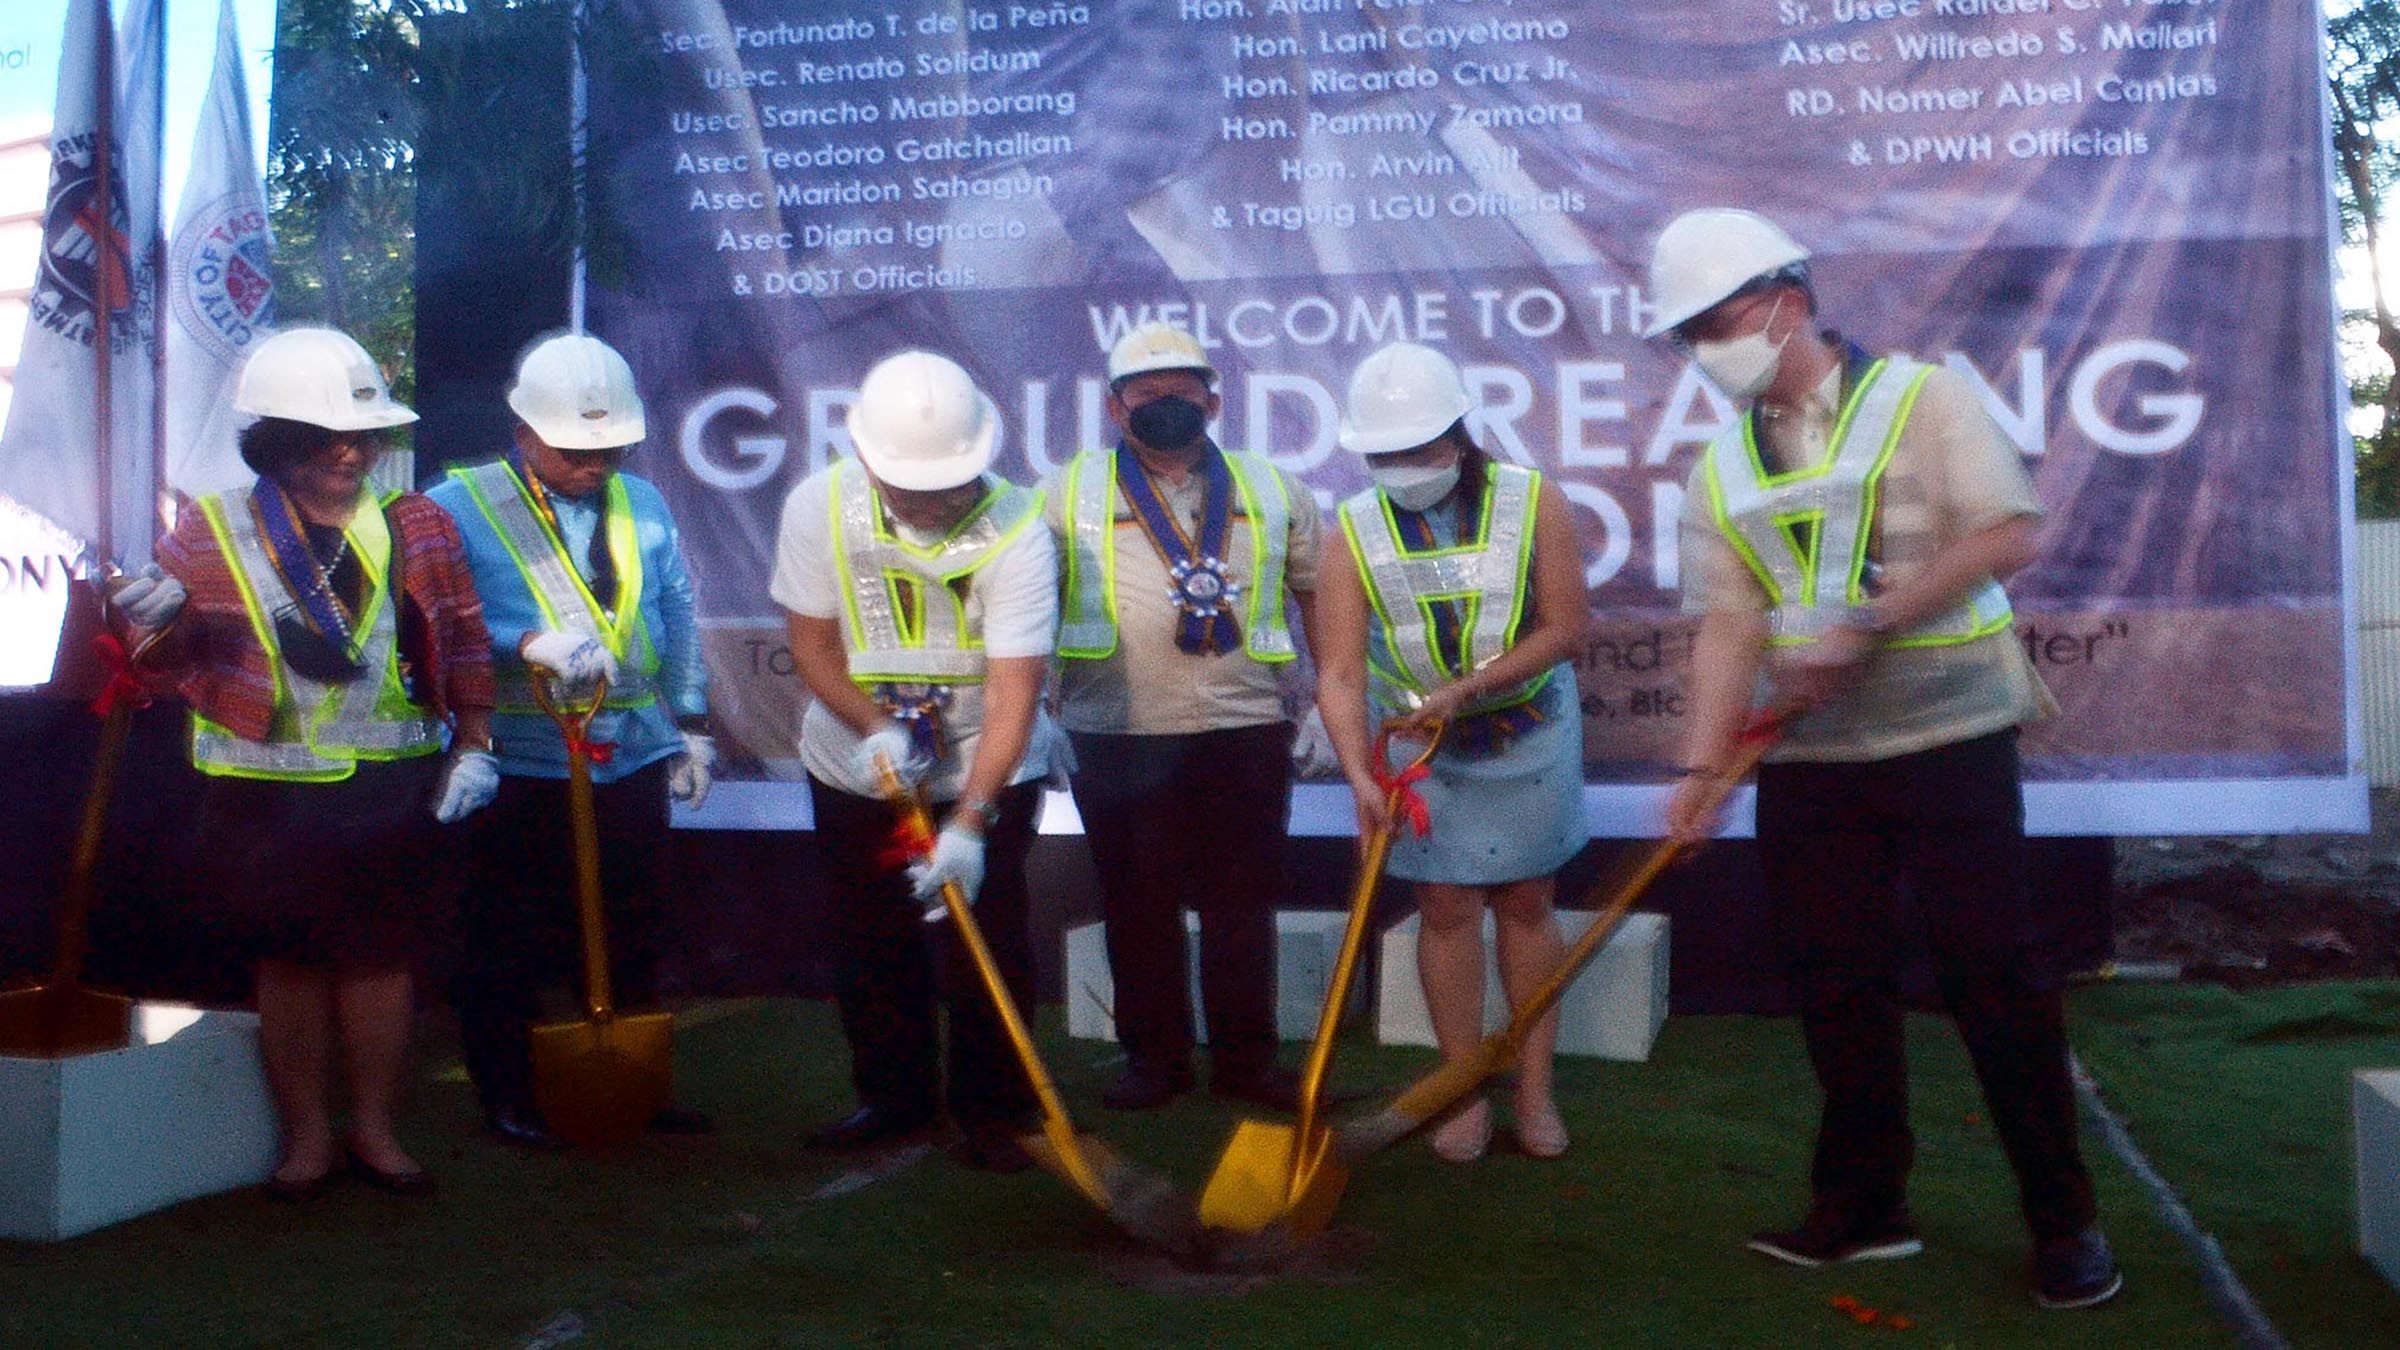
<point x="1415" y="487"/>
<point x="1743" y="367"/>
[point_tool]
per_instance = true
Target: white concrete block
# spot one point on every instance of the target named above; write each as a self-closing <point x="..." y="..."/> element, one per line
<point x="1307" y="943"/>
<point x="2375" y="1112"/>
<point x="92" y="1140"/>
<point x="1613" y="1010"/>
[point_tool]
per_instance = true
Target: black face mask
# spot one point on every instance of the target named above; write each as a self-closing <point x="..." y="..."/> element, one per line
<point x="1168" y="423"/>
<point x="311" y="653"/>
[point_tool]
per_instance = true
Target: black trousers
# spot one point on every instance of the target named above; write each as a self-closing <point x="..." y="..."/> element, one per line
<point x="518" y="923"/>
<point x="885" y="972"/>
<point x="1839" y="842"/>
<point x="1190" y="822"/>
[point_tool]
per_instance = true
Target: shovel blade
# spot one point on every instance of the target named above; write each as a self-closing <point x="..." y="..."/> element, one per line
<point x="600" y="1083"/>
<point x="54" y="1021"/>
<point x="1252" y="1180"/>
<point x="1323" y="1177"/>
<point x="1142" y="1203"/>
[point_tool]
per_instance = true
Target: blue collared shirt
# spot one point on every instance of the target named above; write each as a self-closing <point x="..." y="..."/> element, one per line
<point x="530" y="744"/>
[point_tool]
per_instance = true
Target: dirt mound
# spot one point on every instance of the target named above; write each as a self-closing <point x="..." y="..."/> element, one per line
<point x="2265" y="910"/>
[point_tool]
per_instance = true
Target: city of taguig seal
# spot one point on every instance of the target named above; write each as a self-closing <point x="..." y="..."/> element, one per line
<point x="224" y="295"/>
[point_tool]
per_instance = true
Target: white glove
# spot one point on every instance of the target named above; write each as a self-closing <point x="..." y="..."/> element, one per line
<point x="1312" y="748"/>
<point x="150" y="598"/>
<point x="469" y="782"/>
<point x="688" y="775"/>
<point x="890" y="741"/>
<point x="572" y="657"/>
<point x="957" y="857"/>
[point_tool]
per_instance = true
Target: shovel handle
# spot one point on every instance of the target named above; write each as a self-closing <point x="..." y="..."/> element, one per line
<point x="1354" y="936"/>
<point x="575" y="724"/>
<point x="75" y="905"/>
<point x="1756" y="739"/>
<point x="1449" y="1082"/>
<point x="1056" y="1126"/>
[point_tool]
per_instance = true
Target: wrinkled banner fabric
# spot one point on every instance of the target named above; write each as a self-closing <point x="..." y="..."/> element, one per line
<point x="2112" y="216"/>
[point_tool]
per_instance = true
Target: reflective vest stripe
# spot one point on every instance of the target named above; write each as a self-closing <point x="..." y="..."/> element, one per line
<point x="318" y="731"/>
<point x="1789" y="526"/>
<point x="1088" y="614"/>
<point x="557" y="585"/>
<point x="1489" y="573"/>
<point x="871" y="562"/>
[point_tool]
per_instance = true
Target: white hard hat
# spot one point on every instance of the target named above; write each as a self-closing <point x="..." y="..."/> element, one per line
<point x="577" y="393"/>
<point x="921" y="424"/>
<point x="1157" y="346"/>
<point x="319" y="376"/>
<point x="1402" y="396"/>
<point x="1704" y="256"/>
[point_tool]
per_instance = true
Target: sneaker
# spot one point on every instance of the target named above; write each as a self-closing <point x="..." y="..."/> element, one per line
<point x="2076" y="1271"/>
<point x="1828" y="1238"/>
<point x="1147" y="1085"/>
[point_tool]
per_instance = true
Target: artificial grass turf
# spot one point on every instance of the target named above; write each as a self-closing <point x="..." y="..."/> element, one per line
<point x="1632" y="1239"/>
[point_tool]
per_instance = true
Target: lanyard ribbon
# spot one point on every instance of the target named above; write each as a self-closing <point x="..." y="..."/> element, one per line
<point x="303" y="576"/>
<point x="917" y="707"/>
<point x="1197" y="579"/>
<point x="599" y="563"/>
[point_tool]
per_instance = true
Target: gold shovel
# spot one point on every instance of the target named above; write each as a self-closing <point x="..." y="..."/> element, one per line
<point x="1144" y="1205"/>
<point x="1292" y="1173"/>
<point x="1443" y="1088"/>
<point x="599" y="1080"/>
<point x="59" y="1017"/>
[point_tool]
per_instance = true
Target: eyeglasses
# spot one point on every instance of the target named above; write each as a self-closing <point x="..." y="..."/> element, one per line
<point x="1717" y="322"/>
<point x="610" y="455"/>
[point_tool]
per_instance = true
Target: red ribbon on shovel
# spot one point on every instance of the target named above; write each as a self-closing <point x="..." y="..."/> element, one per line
<point x="122" y="690"/>
<point x="595" y="752"/>
<point x="1408" y="808"/>
<point x="910" y="840"/>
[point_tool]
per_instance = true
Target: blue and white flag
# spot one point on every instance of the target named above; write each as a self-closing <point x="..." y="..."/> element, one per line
<point x="220" y="290"/>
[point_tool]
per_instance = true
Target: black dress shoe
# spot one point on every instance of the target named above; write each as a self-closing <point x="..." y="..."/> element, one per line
<point x="416" y="1181"/>
<point x="1146" y="1085"/>
<point x="994" y="1148"/>
<point x="867" y="1127"/>
<point x="521" y="1129"/>
<point x="1274" y="1087"/>
<point x="681" y="1120"/>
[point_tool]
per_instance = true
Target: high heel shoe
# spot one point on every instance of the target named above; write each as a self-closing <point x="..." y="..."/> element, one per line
<point x="415" y="1181"/>
<point x="1540" y="1131"/>
<point x="300" y="1190"/>
<point x="1464" y="1137"/>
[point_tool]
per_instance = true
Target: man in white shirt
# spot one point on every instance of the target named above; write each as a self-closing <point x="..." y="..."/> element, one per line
<point x="922" y="606"/>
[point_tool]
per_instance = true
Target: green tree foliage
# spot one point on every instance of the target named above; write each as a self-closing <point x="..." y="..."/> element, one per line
<point x="341" y="170"/>
<point x="2363" y="65"/>
<point x="356" y="82"/>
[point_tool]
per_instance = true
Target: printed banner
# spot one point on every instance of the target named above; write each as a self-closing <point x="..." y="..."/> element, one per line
<point x="2111" y="216"/>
